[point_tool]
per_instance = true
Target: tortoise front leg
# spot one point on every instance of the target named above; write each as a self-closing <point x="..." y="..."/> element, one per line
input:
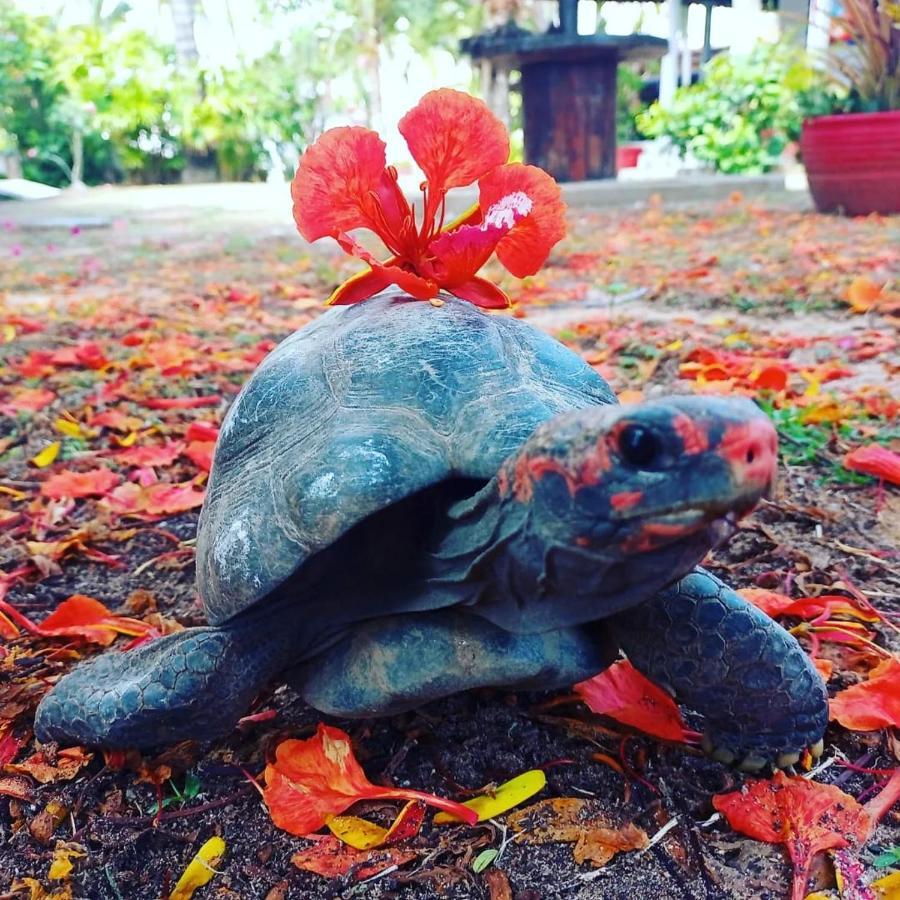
<point x="760" y="693"/>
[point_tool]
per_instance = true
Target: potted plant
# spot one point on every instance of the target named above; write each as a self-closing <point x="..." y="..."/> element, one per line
<point x="852" y="157"/>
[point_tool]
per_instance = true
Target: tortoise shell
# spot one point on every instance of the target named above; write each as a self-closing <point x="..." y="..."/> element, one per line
<point x="365" y="406"/>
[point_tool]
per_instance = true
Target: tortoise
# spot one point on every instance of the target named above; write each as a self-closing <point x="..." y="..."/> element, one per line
<point x="410" y="499"/>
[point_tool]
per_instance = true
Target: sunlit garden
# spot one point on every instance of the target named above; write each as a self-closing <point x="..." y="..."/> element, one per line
<point x="449" y="450"/>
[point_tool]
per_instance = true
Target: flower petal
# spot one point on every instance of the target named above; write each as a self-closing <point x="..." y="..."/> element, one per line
<point x="358" y="287"/>
<point x="454" y="138"/>
<point x="482" y="293"/>
<point x="414" y="285"/>
<point x="528" y="244"/>
<point x="461" y="253"/>
<point x="331" y="189"/>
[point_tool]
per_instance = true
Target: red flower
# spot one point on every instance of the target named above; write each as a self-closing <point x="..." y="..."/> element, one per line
<point x="342" y="183"/>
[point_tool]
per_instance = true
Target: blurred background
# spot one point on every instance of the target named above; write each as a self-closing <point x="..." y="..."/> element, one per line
<point x="165" y="91"/>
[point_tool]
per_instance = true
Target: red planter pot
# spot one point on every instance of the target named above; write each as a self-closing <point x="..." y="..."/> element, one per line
<point x="853" y="162"/>
<point x="627" y="157"/>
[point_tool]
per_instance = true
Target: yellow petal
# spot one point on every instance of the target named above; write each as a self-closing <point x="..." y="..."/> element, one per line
<point x="46" y="456"/>
<point x="61" y="866"/>
<point x="888" y="888"/>
<point x="358" y="833"/>
<point x="508" y="795"/>
<point x="68" y="428"/>
<point x="200" y="869"/>
<point x="128" y="440"/>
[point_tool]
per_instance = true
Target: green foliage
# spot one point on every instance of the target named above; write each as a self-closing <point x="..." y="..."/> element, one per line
<point x="865" y="65"/>
<point x="743" y="113"/>
<point x="628" y="104"/>
<point x="103" y="102"/>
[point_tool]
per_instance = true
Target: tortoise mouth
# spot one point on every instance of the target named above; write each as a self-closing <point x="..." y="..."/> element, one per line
<point x="713" y="527"/>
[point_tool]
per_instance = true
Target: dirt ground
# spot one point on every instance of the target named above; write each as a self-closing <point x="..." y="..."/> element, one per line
<point x="636" y="292"/>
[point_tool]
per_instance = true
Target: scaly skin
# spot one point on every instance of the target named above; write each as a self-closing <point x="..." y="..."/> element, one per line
<point x="191" y="685"/>
<point x="762" y="697"/>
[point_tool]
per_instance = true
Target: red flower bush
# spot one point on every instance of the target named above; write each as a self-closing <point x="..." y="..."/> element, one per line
<point x="343" y="183"/>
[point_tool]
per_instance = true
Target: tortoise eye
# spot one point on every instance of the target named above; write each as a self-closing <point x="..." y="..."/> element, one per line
<point x="638" y="445"/>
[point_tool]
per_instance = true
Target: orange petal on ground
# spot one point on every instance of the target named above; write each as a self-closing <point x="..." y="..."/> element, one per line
<point x="806" y="816"/>
<point x="95" y="483"/>
<point x="313" y="780"/>
<point x="872" y="704"/>
<point x="863" y="294"/>
<point x="875" y="460"/>
<point x="624" y="694"/>
<point x="84" y="617"/>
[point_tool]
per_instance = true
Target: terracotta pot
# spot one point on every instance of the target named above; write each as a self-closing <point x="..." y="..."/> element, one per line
<point x="627" y="157"/>
<point x="853" y="162"/>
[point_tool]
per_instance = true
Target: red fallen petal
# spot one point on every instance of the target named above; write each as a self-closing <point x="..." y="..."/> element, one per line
<point x="202" y="431"/>
<point x="771" y="378"/>
<point x="805" y="816"/>
<point x="89" y="619"/>
<point x="331" y="858"/>
<point x="180" y="402"/>
<point x="31" y="399"/>
<point x="528" y="244"/>
<point x="312" y="780"/>
<point x="454" y="138"/>
<point x="482" y="293"/>
<point x="359" y="287"/>
<point x="461" y="253"/>
<point x="873" y="704"/>
<point x="875" y="460"/>
<point x="167" y="499"/>
<point x="70" y="484"/>
<point x="331" y="189"/>
<point x="200" y="453"/>
<point x="153" y="455"/>
<point x="624" y="694"/>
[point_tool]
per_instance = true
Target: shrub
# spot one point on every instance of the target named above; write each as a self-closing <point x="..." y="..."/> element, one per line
<point x="743" y="113"/>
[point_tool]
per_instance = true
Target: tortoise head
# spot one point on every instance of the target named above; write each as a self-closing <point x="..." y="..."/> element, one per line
<point x="665" y="480"/>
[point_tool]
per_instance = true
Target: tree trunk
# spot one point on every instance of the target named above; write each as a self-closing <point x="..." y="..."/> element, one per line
<point x="76" y="179"/>
<point x="183" y="15"/>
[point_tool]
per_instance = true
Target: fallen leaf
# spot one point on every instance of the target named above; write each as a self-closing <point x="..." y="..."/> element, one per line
<point x="201" y="454"/>
<point x="46" y="456"/>
<point x="498" y="885"/>
<point x="509" y="794"/>
<point x="94" y="483"/>
<point x="806" y="816"/>
<point x="331" y="858"/>
<point x="200" y="869"/>
<point x="150" y="455"/>
<point x="362" y="834"/>
<point x="872" y="704"/>
<point x="48" y="820"/>
<point x="624" y="694"/>
<point x="61" y="865"/>
<point x="63" y="766"/>
<point x="159" y="499"/>
<point x="181" y="402"/>
<point x="888" y="887"/>
<point x="863" y="294"/>
<point x="875" y="460"/>
<point x="84" y="617"/>
<point x="318" y="778"/>
<point x="36" y="891"/>
<point x="571" y="820"/>
<point x="16" y="786"/>
<point x="202" y="431"/>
